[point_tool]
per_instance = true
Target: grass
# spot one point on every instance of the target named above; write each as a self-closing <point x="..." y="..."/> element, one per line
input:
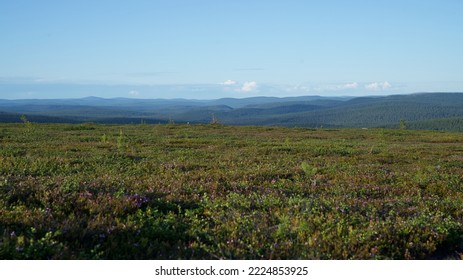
<point x="222" y="192"/>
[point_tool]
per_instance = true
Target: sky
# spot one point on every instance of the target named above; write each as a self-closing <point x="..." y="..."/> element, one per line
<point x="207" y="49"/>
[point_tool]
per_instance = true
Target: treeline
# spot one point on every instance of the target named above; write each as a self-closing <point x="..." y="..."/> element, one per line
<point x="450" y="124"/>
<point x="365" y="115"/>
<point x="375" y="115"/>
<point x="16" y="118"/>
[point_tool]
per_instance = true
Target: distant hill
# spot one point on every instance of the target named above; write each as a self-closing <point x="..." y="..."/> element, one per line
<point x="437" y="111"/>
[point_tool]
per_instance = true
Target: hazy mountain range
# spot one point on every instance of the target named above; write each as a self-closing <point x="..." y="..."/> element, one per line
<point x="437" y="111"/>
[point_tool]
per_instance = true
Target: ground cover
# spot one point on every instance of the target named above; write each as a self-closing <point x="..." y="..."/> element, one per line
<point x="88" y="191"/>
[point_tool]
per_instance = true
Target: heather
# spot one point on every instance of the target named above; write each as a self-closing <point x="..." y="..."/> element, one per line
<point x="88" y="191"/>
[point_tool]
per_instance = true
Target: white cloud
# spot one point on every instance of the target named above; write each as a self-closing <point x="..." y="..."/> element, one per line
<point x="134" y="93"/>
<point x="249" y="86"/>
<point x="378" y="86"/>
<point x="386" y="85"/>
<point x="229" y="83"/>
<point x="353" y="85"/>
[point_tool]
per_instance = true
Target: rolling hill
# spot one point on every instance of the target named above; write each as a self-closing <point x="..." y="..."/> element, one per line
<point x="437" y="111"/>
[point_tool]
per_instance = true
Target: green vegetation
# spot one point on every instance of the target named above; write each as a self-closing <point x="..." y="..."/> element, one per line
<point x="88" y="191"/>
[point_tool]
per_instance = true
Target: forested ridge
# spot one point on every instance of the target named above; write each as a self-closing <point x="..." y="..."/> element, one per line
<point x="435" y="111"/>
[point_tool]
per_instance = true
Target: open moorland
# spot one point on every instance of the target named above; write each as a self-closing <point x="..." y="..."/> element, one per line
<point x="88" y="191"/>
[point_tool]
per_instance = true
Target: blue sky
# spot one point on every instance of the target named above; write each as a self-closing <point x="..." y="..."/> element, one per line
<point x="212" y="48"/>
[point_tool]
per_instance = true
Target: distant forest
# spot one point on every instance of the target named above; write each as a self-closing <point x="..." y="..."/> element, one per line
<point x="431" y="111"/>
